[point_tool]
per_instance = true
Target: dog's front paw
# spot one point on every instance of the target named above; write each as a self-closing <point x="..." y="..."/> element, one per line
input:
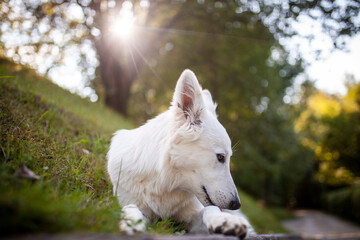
<point x="228" y="224"/>
<point x="130" y="227"/>
<point x="133" y="220"/>
<point x="225" y="223"/>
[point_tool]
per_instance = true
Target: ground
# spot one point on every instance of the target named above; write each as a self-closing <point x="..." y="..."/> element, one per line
<point x="317" y="225"/>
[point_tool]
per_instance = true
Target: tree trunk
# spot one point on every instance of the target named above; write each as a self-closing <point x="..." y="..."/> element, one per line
<point x="117" y="63"/>
<point x="117" y="75"/>
<point x="120" y="59"/>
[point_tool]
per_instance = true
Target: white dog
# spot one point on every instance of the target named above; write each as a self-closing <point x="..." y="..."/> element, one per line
<point x="177" y="166"/>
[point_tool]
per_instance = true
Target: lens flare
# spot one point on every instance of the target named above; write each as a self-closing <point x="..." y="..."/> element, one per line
<point x="123" y="25"/>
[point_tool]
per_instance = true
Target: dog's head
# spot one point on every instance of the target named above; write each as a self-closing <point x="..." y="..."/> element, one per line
<point x="201" y="147"/>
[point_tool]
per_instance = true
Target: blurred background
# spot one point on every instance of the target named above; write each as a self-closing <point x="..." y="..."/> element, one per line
<point x="285" y="75"/>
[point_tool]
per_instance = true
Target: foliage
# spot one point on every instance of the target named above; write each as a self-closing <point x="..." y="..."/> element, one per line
<point x="345" y="203"/>
<point x="32" y="31"/>
<point x="329" y="126"/>
<point x="271" y="218"/>
<point x="55" y="134"/>
<point x="338" y="20"/>
<point x="39" y="23"/>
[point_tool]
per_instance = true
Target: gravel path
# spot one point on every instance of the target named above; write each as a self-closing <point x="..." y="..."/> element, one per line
<point x="317" y="225"/>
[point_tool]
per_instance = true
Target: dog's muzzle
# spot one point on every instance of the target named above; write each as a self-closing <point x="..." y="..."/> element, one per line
<point x="208" y="199"/>
<point x="233" y="205"/>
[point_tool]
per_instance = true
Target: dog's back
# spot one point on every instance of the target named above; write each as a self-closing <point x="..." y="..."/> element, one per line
<point x="137" y="162"/>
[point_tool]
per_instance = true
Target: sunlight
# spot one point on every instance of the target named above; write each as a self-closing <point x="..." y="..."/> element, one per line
<point x="123" y="24"/>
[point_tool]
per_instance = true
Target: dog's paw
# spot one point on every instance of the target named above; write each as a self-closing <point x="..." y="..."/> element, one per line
<point x="133" y="221"/>
<point x="227" y="224"/>
<point x="130" y="227"/>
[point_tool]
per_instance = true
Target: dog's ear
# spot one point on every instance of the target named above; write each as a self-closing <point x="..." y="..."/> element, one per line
<point x="188" y="97"/>
<point x="209" y="103"/>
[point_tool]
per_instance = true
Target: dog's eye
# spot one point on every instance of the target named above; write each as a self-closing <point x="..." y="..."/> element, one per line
<point x="220" y="157"/>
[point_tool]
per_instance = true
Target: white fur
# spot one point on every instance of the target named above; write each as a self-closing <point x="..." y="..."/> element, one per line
<point x="167" y="167"/>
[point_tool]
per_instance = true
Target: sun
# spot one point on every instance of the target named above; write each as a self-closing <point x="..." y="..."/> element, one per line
<point x="123" y="24"/>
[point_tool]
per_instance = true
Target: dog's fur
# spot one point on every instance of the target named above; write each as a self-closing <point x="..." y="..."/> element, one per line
<point x="172" y="167"/>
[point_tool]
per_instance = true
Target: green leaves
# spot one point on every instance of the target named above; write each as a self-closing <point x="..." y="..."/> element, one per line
<point x="329" y="127"/>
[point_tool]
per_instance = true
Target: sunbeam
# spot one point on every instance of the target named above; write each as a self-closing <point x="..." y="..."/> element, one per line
<point x="123" y="24"/>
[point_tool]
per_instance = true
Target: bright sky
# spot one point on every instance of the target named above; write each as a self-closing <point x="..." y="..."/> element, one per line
<point x="329" y="73"/>
<point x="330" y="68"/>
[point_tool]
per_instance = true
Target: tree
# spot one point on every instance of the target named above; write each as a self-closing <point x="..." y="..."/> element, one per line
<point x="122" y="59"/>
<point x="329" y="126"/>
<point x="54" y="29"/>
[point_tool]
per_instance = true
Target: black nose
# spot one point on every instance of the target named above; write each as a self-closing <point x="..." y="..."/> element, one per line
<point x="234" y="204"/>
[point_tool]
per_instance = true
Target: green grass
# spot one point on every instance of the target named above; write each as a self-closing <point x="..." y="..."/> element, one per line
<point x="265" y="220"/>
<point x="64" y="139"/>
<point x="96" y="114"/>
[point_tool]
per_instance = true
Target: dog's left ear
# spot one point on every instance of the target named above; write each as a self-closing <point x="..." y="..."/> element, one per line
<point x="188" y="97"/>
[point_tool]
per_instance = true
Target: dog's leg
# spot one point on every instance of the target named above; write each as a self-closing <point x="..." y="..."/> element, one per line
<point x="192" y="217"/>
<point x="217" y="221"/>
<point x="133" y="220"/>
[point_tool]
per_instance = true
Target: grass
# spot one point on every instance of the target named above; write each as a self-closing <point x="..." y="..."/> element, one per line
<point x="264" y="219"/>
<point x="64" y="139"/>
<point x="96" y="114"/>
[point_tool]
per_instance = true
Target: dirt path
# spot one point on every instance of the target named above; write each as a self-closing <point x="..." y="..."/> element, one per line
<point x="317" y="225"/>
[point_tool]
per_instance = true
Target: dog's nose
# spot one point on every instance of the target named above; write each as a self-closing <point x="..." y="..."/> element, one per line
<point x="234" y="204"/>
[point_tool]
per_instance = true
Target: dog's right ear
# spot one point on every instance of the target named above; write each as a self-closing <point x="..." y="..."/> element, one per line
<point x="188" y="97"/>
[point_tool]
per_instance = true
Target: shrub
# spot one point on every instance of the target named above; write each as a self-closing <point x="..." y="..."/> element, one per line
<point x="345" y="203"/>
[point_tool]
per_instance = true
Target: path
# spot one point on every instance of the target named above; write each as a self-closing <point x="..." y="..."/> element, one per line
<point x="97" y="236"/>
<point x="313" y="224"/>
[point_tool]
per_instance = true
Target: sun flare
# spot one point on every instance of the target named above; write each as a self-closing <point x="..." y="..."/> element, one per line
<point x="123" y="24"/>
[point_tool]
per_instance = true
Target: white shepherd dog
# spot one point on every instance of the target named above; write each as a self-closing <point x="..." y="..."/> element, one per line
<point x="177" y="166"/>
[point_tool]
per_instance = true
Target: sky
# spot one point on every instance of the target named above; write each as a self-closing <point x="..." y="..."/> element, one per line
<point x="329" y="72"/>
<point x="329" y="69"/>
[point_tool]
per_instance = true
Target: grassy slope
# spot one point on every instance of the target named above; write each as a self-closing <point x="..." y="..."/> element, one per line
<point x="264" y="219"/>
<point x="64" y="139"/>
<point x="49" y="130"/>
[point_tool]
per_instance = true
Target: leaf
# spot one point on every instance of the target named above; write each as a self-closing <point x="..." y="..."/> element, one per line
<point x="25" y="172"/>
<point x="85" y="151"/>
